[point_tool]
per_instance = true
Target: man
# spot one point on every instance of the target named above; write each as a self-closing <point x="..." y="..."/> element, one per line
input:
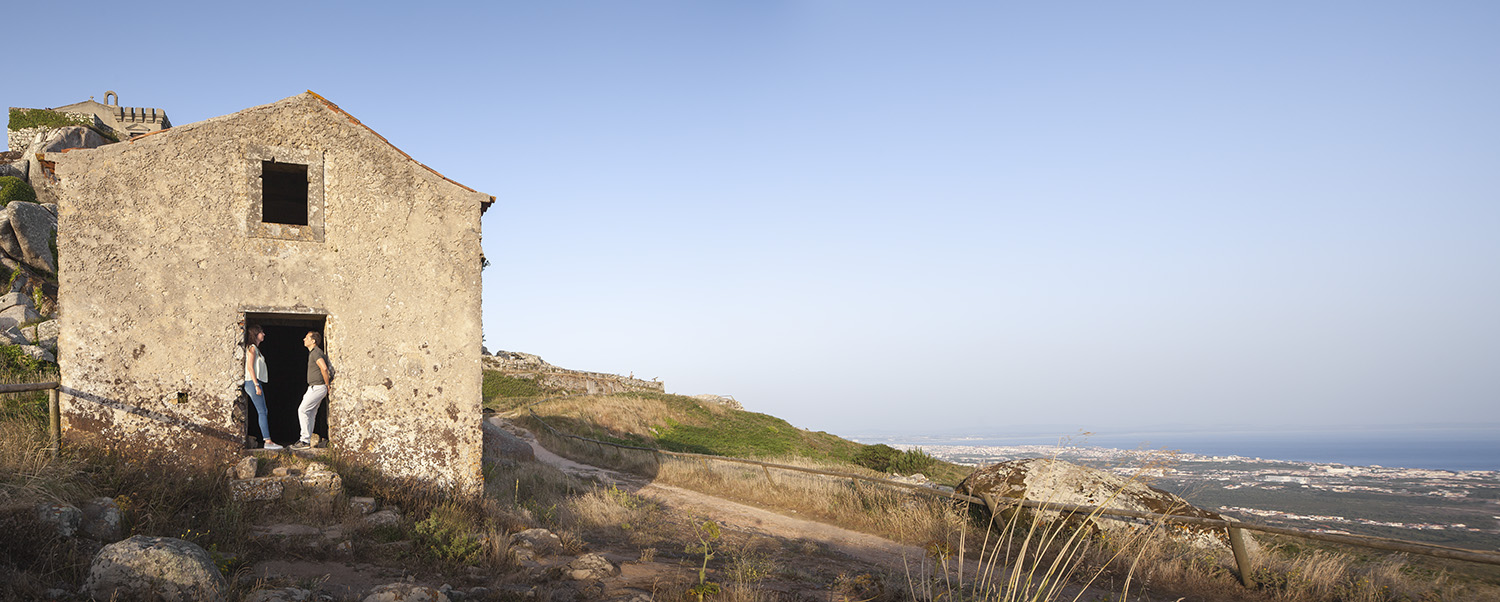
<point x="317" y="387"/>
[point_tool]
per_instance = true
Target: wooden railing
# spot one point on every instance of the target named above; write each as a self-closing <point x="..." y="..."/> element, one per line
<point x="1236" y="529"/>
<point x="54" y="414"/>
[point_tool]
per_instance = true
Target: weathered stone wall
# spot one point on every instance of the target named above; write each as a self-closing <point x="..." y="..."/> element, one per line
<point x="160" y="260"/>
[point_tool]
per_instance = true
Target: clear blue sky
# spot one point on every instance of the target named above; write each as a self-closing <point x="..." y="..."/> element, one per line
<point x="896" y="216"/>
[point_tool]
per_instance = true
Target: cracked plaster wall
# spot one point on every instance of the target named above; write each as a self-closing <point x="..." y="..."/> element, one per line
<point x="161" y="256"/>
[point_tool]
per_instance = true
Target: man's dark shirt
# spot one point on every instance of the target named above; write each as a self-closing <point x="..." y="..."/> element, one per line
<point x="314" y="375"/>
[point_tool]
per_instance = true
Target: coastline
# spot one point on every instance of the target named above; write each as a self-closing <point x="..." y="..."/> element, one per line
<point x="1456" y="449"/>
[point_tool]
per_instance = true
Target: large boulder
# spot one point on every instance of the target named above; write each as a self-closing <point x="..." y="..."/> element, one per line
<point x="589" y="567"/>
<point x="245" y="468"/>
<point x="12" y="335"/>
<point x="16" y="315"/>
<point x="43" y="333"/>
<point x="65" y="138"/>
<point x="14" y="169"/>
<point x="34" y="227"/>
<point x="1059" y="482"/>
<point x="530" y="544"/>
<point x="502" y="447"/>
<point x="63" y="518"/>
<point x="8" y="243"/>
<point x="154" y="568"/>
<point x="9" y="300"/>
<point x="38" y="353"/>
<point x="101" y="519"/>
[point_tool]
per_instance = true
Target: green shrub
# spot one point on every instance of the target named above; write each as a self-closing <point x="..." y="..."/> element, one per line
<point x="13" y="361"/>
<point x="21" y="119"/>
<point x="912" y="461"/>
<point x="884" y="458"/>
<point x="15" y="189"/>
<point x="446" y="534"/>
<point x="500" y="385"/>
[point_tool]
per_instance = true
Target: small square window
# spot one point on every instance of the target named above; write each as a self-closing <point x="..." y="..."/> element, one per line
<point x="283" y="193"/>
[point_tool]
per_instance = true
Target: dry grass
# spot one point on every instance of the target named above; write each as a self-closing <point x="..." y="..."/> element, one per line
<point x="852" y="504"/>
<point x="612" y="415"/>
<point x="618" y="514"/>
<point x="856" y="505"/>
<point x="1147" y="558"/>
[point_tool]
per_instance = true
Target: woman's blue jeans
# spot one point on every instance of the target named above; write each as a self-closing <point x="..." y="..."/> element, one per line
<point x="260" y="409"/>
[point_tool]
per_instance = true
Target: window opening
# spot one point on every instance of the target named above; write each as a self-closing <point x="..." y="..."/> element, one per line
<point x="283" y="193"/>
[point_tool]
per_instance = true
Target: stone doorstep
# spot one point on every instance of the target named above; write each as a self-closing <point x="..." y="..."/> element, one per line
<point x="314" y="453"/>
<point x="314" y="486"/>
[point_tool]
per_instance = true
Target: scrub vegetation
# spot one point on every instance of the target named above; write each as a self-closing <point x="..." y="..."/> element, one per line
<point x="1015" y="556"/>
<point x="965" y="553"/>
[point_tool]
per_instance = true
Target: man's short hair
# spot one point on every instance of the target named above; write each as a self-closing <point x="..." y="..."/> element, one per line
<point x="317" y="338"/>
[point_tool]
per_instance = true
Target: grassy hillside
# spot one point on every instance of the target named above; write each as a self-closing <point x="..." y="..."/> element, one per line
<point x="679" y="423"/>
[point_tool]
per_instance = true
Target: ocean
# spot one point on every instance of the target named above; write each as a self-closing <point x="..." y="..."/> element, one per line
<point x="1443" y="449"/>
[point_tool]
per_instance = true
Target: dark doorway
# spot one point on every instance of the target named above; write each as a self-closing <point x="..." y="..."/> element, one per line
<point x="286" y="365"/>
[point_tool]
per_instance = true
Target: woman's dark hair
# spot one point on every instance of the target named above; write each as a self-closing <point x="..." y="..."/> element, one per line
<point x="250" y="333"/>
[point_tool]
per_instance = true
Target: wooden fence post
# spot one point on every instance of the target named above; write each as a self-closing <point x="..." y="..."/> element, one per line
<point x="1241" y="555"/>
<point x="768" y="475"/>
<point x="54" y="423"/>
<point x="990" y="501"/>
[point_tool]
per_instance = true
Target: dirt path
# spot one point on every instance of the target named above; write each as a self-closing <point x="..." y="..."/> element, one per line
<point x="862" y="546"/>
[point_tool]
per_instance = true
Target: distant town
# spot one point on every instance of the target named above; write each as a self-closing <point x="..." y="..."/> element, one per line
<point x="1437" y="506"/>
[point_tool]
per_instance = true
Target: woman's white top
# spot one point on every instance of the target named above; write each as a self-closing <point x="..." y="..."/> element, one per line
<point x="260" y="367"/>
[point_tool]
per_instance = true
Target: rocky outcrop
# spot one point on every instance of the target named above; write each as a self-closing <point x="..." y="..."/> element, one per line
<point x="1056" y="481"/>
<point x="51" y="140"/>
<point x="526" y="365"/>
<point x="33" y="228"/>
<point x="19" y="326"/>
<point x="154" y="568"/>
<point x="727" y="401"/>
<point x="27" y="234"/>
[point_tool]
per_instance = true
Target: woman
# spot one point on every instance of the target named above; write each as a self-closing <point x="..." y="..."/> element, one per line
<point x="255" y="375"/>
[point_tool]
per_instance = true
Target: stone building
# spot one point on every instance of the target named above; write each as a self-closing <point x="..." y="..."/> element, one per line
<point x="124" y="122"/>
<point x="296" y="217"/>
